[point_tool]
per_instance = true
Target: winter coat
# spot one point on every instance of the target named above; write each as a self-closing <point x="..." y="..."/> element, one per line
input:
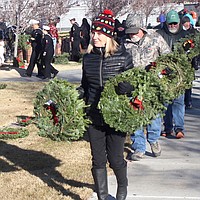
<point x="96" y="71"/>
<point x="171" y="38"/>
<point x="47" y="45"/>
<point x="85" y="34"/>
<point x="36" y="39"/>
<point x="147" y="49"/>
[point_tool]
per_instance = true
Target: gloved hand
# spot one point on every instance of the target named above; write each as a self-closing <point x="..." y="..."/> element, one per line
<point x="188" y="44"/>
<point x="167" y="71"/>
<point x="124" y="88"/>
<point x="45" y="53"/>
<point x="80" y="92"/>
<point x="150" y="66"/>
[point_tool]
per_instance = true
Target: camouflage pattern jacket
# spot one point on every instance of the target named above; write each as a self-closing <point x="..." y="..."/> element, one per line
<point x="147" y="49"/>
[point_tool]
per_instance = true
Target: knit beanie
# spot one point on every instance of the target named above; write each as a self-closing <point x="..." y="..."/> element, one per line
<point x="104" y="23"/>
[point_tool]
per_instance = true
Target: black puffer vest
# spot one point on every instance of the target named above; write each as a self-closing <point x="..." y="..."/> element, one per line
<point x="96" y="71"/>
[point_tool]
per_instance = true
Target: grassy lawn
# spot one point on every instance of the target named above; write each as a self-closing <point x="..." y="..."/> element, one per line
<point x="38" y="168"/>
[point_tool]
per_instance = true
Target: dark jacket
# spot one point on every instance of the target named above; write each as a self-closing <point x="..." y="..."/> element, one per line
<point x="47" y="45"/>
<point x="96" y="71"/>
<point x="85" y="34"/>
<point x="36" y="39"/>
<point x="172" y="38"/>
<point x="191" y="30"/>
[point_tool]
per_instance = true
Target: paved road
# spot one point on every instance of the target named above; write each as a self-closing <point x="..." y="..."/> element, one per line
<point x="9" y="73"/>
<point x="176" y="173"/>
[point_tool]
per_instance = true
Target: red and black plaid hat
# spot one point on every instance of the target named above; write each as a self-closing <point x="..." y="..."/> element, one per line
<point x="104" y="23"/>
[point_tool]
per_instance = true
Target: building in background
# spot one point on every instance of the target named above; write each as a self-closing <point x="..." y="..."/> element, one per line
<point x="78" y="12"/>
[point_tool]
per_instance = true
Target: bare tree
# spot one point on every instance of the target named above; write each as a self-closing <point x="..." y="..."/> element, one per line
<point x="19" y="12"/>
<point x="97" y="6"/>
<point x="119" y="7"/>
<point x="144" y="8"/>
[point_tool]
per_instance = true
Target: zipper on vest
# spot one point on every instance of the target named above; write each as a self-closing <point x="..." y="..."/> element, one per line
<point x="100" y="69"/>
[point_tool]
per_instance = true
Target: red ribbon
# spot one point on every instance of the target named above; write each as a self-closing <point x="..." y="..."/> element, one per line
<point x="8" y="132"/>
<point x="137" y="104"/>
<point x="26" y="119"/>
<point x="153" y="64"/>
<point x="163" y="72"/>
<point x="191" y="43"/>
<point x="53" y="111"/>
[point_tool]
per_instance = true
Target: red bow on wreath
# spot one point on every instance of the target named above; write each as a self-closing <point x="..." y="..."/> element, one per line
<point x="50" y="105"/>
<point x="136" y="104"/>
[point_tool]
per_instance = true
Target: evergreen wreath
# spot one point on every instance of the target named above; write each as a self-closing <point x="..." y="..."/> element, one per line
<point x="59" y="113"/>
<point x="182" y="72"/>
<point x="127" y="114"/>
<point x="3" y="86"/>
<point x="13" y="133"/>
<point x="190" y="45"/>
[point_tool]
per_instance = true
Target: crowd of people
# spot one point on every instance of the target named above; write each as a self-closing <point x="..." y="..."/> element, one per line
<point x="44" y="44"/>
<point x="109" y="48"/>
<point x="192" y="15"/>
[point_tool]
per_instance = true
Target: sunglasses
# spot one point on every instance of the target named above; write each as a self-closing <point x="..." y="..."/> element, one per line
<point x="173" y="23"/>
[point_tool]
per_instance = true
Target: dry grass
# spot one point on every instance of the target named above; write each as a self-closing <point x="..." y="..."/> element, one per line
<point x="35" y="168"/>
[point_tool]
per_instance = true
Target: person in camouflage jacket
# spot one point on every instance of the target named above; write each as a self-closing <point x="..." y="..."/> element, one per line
<point x="145" y="47"/>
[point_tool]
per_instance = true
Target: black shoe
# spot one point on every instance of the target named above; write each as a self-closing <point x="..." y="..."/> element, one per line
<point x="55" y="74"/>
<point x="26" y="75"/>
<point x="188" y="106"/>
<point x="166" y="133"/>
<point x="46" y="78"/>
<point x="39" y="76"/>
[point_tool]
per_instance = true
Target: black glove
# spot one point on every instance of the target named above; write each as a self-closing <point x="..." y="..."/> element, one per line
<point x="167" y="71"/>
<point x="80" y="92"/>
<point x="188" y="45"/>
<point x="196" y="62"/>
<point x="124" y="88"/>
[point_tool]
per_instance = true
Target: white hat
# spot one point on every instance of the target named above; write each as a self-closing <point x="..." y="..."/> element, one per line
<point x="47" y="28"/>
<point x="33" y="21"/>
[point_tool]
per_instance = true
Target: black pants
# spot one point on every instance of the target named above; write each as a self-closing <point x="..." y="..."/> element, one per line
<point x="46" y="60"/>
<point x="34" y="60"/>
<point x="105" y="144"/>
<point x="75" y="54"/>
<point x="188" y="97"/>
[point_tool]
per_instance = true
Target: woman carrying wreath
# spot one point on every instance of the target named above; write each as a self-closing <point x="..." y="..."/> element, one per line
<point x="104" y="59"/>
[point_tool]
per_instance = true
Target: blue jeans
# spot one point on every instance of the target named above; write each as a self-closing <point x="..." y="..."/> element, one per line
<point x="153" y="133"/>
<point x="174" y="115"/>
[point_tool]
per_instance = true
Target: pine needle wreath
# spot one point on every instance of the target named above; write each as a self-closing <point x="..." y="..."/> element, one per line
<point x="59" y="112"/>
<point x="120" y="111"/>
<point x="182" y="72"/>
<point x="3" y="86"/>
<point x="13" y="133"/>
<point x="190" y="45"/>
